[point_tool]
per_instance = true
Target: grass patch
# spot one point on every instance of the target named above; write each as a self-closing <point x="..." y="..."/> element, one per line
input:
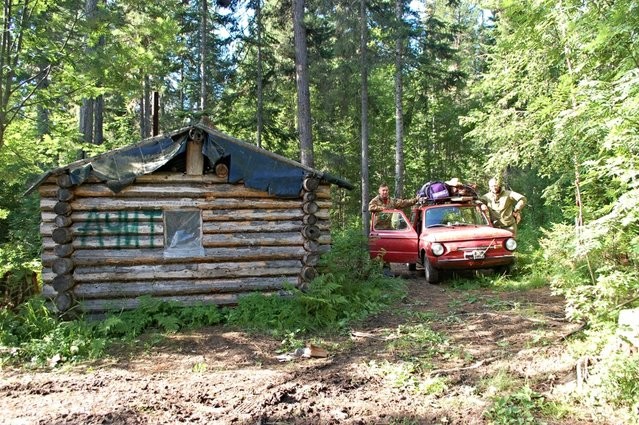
<point x="350" y="287"/>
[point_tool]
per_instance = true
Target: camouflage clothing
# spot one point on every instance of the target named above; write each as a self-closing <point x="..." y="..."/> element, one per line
<point x="501" y="207"/>
<point x="377" y="204"/>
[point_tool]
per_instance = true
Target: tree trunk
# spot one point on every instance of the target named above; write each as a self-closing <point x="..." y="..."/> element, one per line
<point x="260" y="73"/>
<point x="204" y="99"/>
<point x="363" y="41"/>
<point x="399" y="111"/>
<point x="303" y="91"/>
<point x="91" y="111"/>
<point x="145" y="109"/>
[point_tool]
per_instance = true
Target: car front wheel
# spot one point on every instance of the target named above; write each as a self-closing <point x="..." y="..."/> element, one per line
<point x="430" y="273"/>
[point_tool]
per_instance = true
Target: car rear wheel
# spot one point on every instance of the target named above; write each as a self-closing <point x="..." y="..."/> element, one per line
<point x="430" y="273"/>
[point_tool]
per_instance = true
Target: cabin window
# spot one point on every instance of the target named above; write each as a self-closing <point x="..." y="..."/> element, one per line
<point x="183" y="234"/>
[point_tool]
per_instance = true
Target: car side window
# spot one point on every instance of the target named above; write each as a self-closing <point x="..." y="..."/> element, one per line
<point x="390" y="221"/>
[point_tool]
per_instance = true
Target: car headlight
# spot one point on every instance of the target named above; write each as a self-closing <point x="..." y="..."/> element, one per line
<point x="510" y="244"/>
<point x="437" y="248"/>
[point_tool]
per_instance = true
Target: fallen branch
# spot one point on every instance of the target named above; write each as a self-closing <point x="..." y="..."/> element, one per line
<point x="571" y="333"/>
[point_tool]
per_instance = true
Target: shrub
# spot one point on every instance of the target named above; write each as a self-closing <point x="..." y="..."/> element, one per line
<point x="350" y="287"/>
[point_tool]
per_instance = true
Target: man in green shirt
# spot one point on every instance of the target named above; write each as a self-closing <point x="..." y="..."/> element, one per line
<point x="504" y="206"/>
<point x="383" y="201"/>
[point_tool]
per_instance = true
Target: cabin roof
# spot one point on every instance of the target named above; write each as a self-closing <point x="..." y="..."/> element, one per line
<point x="257" y="168"/>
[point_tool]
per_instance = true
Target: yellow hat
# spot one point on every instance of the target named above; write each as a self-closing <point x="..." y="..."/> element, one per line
<point x="454" y="182"/>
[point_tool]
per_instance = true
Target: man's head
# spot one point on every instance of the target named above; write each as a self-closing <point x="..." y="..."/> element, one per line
<point x="383" y="191"/>
<point x="494" y="185"/>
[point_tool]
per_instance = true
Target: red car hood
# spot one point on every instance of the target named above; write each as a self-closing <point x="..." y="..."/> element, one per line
<point x="462" y="233"/>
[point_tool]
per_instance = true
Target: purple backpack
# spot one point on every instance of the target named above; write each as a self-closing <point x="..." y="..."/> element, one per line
<point x="434" y="191"/>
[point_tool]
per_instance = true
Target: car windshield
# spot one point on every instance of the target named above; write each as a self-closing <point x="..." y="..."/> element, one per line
<point x="448" y="215"/>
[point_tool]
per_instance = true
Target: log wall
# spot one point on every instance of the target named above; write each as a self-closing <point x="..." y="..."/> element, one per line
<point x="102" y="249"/>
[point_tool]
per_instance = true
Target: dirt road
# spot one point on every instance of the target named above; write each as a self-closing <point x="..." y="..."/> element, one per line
<point x="436" y="358"/>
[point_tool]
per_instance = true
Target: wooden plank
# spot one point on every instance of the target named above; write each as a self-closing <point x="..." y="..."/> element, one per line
<point x="108" y="274"/>
<point x="84" y="257"/>
<point x="179" y="287"/>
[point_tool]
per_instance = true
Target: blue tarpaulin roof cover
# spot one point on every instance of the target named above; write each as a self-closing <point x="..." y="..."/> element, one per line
<point x="255" y="167"/>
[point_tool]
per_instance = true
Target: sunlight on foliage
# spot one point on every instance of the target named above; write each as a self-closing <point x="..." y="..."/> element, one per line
<point x="520" y="407"/>
<point x="406" y="375"/>
<point x="350" y="287"/>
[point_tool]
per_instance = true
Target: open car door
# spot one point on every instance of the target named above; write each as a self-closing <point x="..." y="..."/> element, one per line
<point x="392" y="237"/>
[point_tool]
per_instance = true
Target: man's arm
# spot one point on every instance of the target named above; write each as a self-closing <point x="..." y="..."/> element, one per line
<point x="402" y="203"/>
<point x="375" y="205"/>
<point x="520" y="201"/>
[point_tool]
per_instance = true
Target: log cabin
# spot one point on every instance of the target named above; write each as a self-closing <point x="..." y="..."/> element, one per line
<point x="194" y="216"/>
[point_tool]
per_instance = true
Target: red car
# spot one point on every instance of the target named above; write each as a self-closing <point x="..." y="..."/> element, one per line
<point x="450" y="236"/>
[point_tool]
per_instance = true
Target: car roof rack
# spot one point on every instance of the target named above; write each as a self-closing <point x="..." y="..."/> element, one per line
<point x="448" y="200"/>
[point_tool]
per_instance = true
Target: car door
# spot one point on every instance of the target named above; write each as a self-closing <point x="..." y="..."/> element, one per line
<point x="392" y="237"/>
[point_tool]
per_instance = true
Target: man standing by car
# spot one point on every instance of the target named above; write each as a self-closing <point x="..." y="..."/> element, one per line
<point x="384" y="202"/>
<point x="504" y="206"/>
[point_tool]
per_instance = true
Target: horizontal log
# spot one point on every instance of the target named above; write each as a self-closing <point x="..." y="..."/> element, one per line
<point x="258" y="214"/>
<point x="87" y="204"/>
<point x="311" y="245"/>
<point x="221" y="240"/>
<point x="62" y="266"/>
<point x="207" y="215"/>
<point x="62" y="251"/>
<point x="62" y="235"/>
<point x="127" y="204"/>
<point x="311" y="232"/>
<point x="323" y="191"/>
<point x="156" y="288"/>
<point x="62" y="221"/>
<point x="107" y="229"/>
<point x="308" y="273"/>
<point x="167" y="177"/>
<point x="173" y="177"/>
<point x="310" y="207"/>
<point x="62" y="208"/>
<point x="310" y="219"/>
<point x="48" y="291"/>
<point x="84" y="257"/>
<point x="64" y="301"/>
<point x="199" y="190"/>
<point x="63" y="282"/>
<point x="139" y="216"/>
<point x="171" y="271"/>
<point x="65" y="195"/>
<point x="193" y="271"/>
<point x="111" y="241"/>
<point x="222" y="171"/>
<point x="311" y="259"/>
<point x="63" y="180"/>
<point x="252" y="239"/>
<point x="310" y="183"/>
<point x="105" y="305"/>
<point x="251" y="226"/>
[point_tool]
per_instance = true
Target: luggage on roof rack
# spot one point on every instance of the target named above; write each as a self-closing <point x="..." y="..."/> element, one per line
<point x="438" y="192"/>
